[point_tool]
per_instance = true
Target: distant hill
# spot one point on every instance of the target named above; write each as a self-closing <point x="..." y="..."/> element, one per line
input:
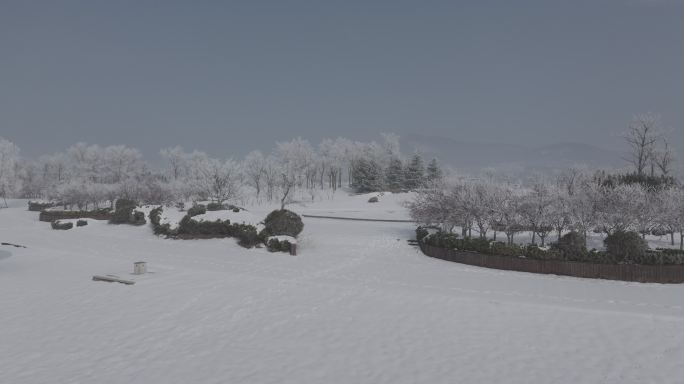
<point x="475" y="156"/>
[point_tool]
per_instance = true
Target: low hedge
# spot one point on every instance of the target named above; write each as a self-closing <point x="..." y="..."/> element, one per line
<point x="81" y="223"/>
<point x="216" y="207"/>
<point x="567" y="250"/>
<point x="157" y="226"/>
<point x="99" y="214"/>
<point x="35" y="206"/>
<point x="195" y="210"/>
<point x="189" y="228"/>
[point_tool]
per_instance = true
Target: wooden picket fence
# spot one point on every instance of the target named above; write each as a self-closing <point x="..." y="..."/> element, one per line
<point x="665" y="274"/>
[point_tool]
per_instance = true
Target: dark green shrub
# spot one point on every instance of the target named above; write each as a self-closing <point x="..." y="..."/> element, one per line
<point x="534" y="252"/>
<point x="373" y="199"/>
<point x="81" y="223"/>
<point x="189" y="226"/>
<point x="443" y="240"/>
<point x="283" y="222"/>
<point x="662" y="256"/>
<point x="198" y="209"/>
<point x="215" y="207"/>
<point x="155" y="219"/>
<point x="61" y="226"/>
<point x="236" y="209"/>
<point x="123" y="212"/>
<point x="477" y="244"/>
<point x="503" y="249"/>
<point x="246" y="234"/>
<point x="138" y="218"/>
<point x="155" y="216"/>
<point x="571" y="246"/>
<point x="275" y="245"/>
<point x="421" y="233"/>
<point x="625" y="247"/>
<point x="37" y="206"/>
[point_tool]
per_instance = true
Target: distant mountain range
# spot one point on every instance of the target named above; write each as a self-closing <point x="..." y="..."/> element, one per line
<point x="476" y="156"/>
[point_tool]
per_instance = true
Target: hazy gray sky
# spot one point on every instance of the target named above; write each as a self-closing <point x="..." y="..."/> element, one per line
<point x="229" y="76"/>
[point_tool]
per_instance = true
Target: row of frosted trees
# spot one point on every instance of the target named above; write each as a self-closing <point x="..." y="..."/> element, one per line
<point x="89" y="176"/>
<point x="575" y="201"/>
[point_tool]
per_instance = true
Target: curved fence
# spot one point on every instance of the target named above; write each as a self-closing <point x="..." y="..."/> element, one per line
<point x="666" y="274"/>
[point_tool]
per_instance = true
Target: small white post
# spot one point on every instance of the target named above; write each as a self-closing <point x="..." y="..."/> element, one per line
<point x="139" y="268"/>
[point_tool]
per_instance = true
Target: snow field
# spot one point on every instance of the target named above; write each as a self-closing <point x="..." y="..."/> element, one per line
<point x="357" y="305"/>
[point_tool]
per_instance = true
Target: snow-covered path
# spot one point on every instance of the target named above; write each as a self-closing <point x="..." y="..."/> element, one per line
<point x="358" y="305"/>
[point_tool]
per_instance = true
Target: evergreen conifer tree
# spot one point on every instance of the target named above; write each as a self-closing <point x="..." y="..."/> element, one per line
<point x="415" y="172"/>
<point x="434" y="172"/>
<point x="395" y="175"/>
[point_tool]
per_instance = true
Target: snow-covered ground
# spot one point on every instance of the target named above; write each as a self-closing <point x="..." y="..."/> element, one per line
<point x="357" y="305"/>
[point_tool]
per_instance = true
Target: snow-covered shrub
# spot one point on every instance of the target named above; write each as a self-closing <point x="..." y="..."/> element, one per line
<point x="283" y="222"/>
<point x="278" y="245"/>
<point x="625" y="247"/>
<point x="189" y="228"/>
<point x="155" y="215"/>
<point x="373" y="199"/>
<point x="62" y="226"/>
<point x="246" y="234"/>
<point x="81" y="223"/>
<point x="157" y="226"/>
<point x="198" y="209"/>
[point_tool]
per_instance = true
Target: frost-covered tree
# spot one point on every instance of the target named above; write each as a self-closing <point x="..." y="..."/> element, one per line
<point x="176" y="159"/>
<point x="535" y="208"/>
<point x="618" y="208"/>
<point x="510" y="218"/>
<point x="218" y="179"/>
<point x="483" y="206"/>
<point x="559" y="211"/>
<point x="254" y="167"/>
<point x="9" y="159"/>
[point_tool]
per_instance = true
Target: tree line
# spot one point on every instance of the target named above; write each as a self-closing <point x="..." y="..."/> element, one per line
<point x="89" y="176"/>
